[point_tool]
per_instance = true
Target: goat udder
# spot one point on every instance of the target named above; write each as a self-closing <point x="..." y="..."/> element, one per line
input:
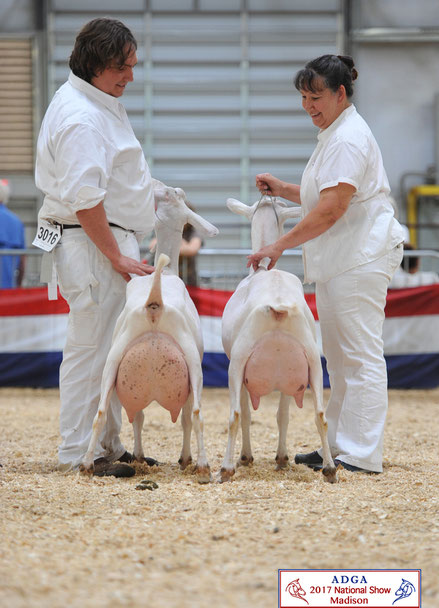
<point x="153" y="369"/>
<point x="277" y="362"/>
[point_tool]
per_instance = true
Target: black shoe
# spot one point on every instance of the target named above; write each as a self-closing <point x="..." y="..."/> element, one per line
<point x="103" y="468"/>
<point x="312" y="460"/>
<point x="127" y="457"/>
<point x="353" y="468"/>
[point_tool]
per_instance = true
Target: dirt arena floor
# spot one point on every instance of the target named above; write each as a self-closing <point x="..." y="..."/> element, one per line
<point x="71" y="541"/>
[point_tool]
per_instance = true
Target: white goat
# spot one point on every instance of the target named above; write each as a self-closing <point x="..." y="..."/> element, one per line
<point x="268" y="333"/>
<point x="157" y="344"/>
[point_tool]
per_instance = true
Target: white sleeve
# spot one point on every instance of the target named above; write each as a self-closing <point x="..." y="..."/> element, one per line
<point x="83" y="161"/>
<point x="343" y="162"/>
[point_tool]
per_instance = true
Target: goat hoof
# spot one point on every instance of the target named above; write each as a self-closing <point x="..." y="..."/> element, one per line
<point x="203" y="474"/>
<point x="86" y="469"/>
<point x="184" y="462"/>
<point x="245" y="461"/>
<point x="226" y="474"/>
<point x="281" y="462"/>
<point x="330" y="474"/>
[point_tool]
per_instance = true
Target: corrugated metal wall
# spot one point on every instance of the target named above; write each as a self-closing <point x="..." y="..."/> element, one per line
<point x="16" y="106"/>
<point x="213" y="101"/>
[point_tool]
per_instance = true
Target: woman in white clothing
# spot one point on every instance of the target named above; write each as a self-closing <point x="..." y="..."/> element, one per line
<point x="352" y="245"/>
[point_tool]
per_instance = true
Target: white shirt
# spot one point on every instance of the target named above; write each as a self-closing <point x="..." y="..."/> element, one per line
<point x="348" y="153"/>
<point x="87" y="152"/>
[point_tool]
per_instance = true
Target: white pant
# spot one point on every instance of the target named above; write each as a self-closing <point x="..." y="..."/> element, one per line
<point x="96" y="295"/>
<point x="351" y="314"/>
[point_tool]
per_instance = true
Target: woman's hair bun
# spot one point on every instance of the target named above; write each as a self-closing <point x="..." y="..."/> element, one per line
<point x="349" y="62"/>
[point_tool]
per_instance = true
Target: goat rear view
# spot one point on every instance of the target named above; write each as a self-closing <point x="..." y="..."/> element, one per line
<point x="157" y="344"/>
<point x="268" y="333"/>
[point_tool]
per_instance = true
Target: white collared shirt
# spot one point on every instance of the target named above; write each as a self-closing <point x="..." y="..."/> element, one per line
<point x="347" y="152"/>
<point x="87" y="153"/>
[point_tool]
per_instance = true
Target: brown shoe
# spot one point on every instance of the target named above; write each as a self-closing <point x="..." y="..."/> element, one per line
<point x="103" y="468"/>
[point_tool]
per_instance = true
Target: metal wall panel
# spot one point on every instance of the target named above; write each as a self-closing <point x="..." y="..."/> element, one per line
<point x="213" y="101"/>
<point x="16" y="106"/>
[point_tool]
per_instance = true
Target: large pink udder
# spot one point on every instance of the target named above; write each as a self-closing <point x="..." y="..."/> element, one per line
<point x="153" y="369"/>
<point x="277" y="362"/>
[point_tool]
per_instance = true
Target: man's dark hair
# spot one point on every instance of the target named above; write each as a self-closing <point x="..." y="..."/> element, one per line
<point x="101" y="42"/>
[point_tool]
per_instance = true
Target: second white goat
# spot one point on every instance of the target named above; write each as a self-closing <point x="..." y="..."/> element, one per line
<point x="268" y="333"/>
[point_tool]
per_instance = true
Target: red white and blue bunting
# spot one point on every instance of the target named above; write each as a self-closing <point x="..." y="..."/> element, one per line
<point x="33" y="329"/>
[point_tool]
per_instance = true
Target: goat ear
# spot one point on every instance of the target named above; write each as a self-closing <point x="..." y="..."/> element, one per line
<point x="290" y="213"/>
<point x="239" y="208"/>
<point x="204" y="227"/>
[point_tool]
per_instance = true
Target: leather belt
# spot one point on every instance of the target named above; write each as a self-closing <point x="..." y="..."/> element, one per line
<point x="67" y="226"/>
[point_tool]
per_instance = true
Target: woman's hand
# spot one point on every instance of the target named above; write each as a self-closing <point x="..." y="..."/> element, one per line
<point x="273" y="252"/>
<point x="268" y="184"/>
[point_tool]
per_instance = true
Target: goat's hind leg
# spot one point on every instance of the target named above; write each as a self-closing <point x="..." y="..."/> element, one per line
<point x="282" y="424"/>
<point x="186" y="423"/>
<point x="246" y="457"/>
<point x="236" y="371"/>
<point x="196" y="379"/>
<point x="138" y="454"/>
<point x="87" y="465"/>
<point x="316" y="385"/>
<point x="328" y="470"/>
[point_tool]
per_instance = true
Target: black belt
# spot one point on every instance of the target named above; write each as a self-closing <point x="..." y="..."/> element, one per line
<point x="67" y="226"/>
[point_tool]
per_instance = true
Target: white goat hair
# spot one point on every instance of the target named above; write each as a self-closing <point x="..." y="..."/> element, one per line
<point x="157" y="344"/>
<point x="268" y="333"/>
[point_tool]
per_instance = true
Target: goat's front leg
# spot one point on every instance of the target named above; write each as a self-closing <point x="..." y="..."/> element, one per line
<point x="282" y="424"/>
<point x="316" y="385"/>
<point x="137" y="430"/>
<point x="246" y="457"/>
<point x="108" y="381"/>
<point x="186" y="423"/>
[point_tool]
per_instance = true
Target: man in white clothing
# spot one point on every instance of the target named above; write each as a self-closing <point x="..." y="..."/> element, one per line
<point x="99" y="197"/>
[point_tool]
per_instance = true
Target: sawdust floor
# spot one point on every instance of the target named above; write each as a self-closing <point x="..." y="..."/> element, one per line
<point x="70" y="541"/>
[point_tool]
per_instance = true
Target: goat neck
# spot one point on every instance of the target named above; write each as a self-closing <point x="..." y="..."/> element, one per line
<point x="168" y="240"/>
<point x="266" y="226"/>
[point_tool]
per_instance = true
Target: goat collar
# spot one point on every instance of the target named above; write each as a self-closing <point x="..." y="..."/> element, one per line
<point x="272" y="205"/>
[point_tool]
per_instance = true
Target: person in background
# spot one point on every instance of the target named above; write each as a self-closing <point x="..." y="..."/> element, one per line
<point x="352" y="245"/>
<point x="191" y="244"/>
<point x="409" y="274"/>
<point x="11" y="237"/>
<point x="98" y="188"/>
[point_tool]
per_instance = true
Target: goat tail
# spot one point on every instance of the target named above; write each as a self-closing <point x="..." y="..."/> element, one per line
<point x="281" y="312"/>
<point x="154" y="303"/>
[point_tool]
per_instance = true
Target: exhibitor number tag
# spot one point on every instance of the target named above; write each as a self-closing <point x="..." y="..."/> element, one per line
<point x="47" y="235"/>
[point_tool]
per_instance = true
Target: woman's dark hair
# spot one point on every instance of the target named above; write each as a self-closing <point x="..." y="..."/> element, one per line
<point x="99" y="43"/>
<point x="335" y="70"/>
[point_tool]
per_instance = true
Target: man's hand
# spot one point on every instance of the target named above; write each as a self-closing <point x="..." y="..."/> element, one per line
<point x="95" y="224"/>
<point x="128" y="266"/>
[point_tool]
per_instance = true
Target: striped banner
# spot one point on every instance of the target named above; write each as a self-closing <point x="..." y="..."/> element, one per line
<point x="33" y="329"/>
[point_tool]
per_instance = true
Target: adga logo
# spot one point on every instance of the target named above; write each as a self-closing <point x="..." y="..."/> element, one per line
<point x="295" y="590"/>
<point x="405" y="590"/>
